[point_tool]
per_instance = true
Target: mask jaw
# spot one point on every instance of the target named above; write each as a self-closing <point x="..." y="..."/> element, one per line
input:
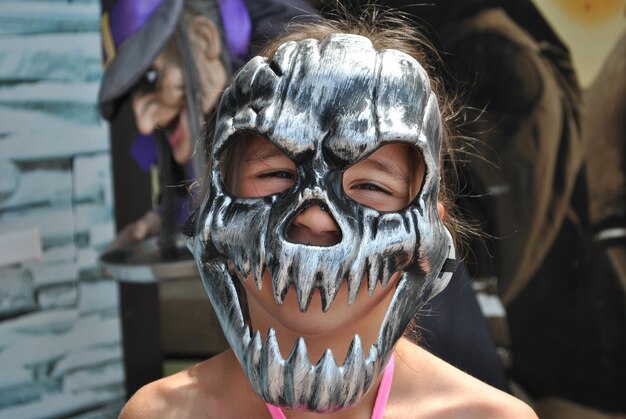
<point x="295" y="382"/>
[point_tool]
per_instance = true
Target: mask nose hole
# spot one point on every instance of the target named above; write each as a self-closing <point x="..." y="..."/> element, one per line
<point x="314" y="225"/>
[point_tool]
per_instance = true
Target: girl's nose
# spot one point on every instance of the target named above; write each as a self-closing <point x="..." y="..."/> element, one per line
<point x="314" y="226"/>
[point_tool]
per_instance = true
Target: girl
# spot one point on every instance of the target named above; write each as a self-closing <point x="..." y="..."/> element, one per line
<point x="325" y="207"/>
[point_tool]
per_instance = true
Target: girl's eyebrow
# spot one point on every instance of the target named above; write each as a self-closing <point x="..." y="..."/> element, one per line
<point x="263" y="153"/>
<point x="385" y="166"/>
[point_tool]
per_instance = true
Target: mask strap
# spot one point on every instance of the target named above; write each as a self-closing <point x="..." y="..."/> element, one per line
<point x="448" y="268"/>
<point x="451" y="262"/>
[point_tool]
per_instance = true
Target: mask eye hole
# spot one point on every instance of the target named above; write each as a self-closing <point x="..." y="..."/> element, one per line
<point x="388" y="179"/>
<point x="253" y="167"/>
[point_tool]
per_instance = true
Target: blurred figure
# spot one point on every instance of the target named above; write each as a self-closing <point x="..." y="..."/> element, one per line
<point x="172" y="59"/>
<point x="603" y="294"/>
<point x="606" y="158"/>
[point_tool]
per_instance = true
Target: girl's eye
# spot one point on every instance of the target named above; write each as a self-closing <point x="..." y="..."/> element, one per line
<point x="280" y="174"/>
<point x="367" y="186"/>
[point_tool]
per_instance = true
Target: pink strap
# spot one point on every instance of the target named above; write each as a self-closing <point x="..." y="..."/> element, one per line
<point x="384" y="389"/>
<point x="381" y="397"/>
<point x="275" y="411"/>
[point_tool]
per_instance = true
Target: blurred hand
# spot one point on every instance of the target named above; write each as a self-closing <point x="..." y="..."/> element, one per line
<point x="147" y="226"/>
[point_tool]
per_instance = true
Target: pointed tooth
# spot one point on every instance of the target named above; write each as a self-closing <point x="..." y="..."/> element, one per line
<point x="372" y="356"/>
<point x="281" y="287"/>
<point x="386" y="273"/>
<point x="328" y="295"/>
<point x="299" y="354"/>
<point x="329" y="292"/>
<point x="298" y="375"/>
<point x="373" y="274"/>
<point x="272" y="364"/>
<point x="258" y="269"/>
<point x="304" y="292"/>
<point x="258" y="281"/>
<point x="354" y="285"/>
<point x="353" y="372"/>
<point x="354" y="357"/>
<point x="281" y="280"/>
<point x="252" y="359"/>
<point x="327" y="383"/>
<point x="371" y="366"/>
<point x="255" y="347"/>
<point x="245" y="336"/>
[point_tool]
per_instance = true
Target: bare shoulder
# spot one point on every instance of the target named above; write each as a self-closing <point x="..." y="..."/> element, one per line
<point x="444" y="391"/>
<point x="485" y="401"/>
<point x="191" y="393"/>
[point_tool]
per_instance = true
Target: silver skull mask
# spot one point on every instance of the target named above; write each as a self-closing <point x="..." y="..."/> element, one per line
<point x="326" y="105"/>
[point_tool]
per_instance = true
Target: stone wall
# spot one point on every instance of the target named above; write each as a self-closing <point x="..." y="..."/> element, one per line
<point x="60" y="340"/>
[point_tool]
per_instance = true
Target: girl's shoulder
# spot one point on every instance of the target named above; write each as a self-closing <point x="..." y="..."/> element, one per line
<point x="203" y="390"/>
<point x="426" y="386"/>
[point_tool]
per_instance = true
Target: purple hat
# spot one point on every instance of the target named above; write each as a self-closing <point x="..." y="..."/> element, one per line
<point x="134" y="32"/>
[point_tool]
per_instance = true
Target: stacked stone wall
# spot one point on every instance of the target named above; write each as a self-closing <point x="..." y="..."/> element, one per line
<point x="60" y="340"/>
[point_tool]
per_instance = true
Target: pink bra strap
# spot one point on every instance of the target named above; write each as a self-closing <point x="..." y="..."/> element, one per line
<point x="275" y="411"/>
<point x="384" y="389"/>
<point x="381" y="397"/>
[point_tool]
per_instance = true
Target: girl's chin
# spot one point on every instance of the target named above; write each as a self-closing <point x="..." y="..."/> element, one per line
<point x="340" y="319"/>
<point x="310" y="323"/>
<point x="313" y="322"/>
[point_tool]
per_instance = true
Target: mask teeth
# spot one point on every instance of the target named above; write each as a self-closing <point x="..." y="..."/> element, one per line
<point x="371" y="365"/>
<point x="245" y="336"/>
<point x="353" y="370"/>
<point x="355" y="279"/>
<point x="281" y="284"/>
<point x="386" y="274"/>
<point x="304" y="293"/>
<point x="257" y="273"/>
<point x="272" y="366"/>
<point x="291" y="382"/>
<point x="373" y="274"/>
<point x="328" y="296"/>
<point x="328" y="382"/>
<point x="298" y="374"/>
<point x="253" y="358"/>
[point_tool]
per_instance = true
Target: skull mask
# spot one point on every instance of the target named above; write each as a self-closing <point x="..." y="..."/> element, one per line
<point x="326" y="105"/>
